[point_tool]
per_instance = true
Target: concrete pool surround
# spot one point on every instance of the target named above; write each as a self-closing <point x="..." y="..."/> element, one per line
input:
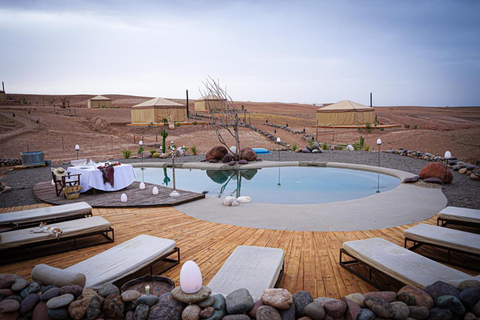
<point x="405" y="204"/>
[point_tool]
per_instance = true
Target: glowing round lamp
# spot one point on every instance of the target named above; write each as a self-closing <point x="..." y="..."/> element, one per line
<point x="140" y="143"/>
<point x="123" y="198"/>
<point x="278" y="140"/>
<point x="448" y="154"/>
<point x="155" y="190"/>
<point x="142" y="186"/>
<point x="190" y="277"/>
<point x="77" y="147"/>
<point x="379" y="141"/>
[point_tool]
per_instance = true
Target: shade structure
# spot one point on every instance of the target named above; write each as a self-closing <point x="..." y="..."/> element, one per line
<point x="157" y="109"/>
<point x="208" y="102"/>
<point x="100" y="102"/>
<point x="347" y="113"/>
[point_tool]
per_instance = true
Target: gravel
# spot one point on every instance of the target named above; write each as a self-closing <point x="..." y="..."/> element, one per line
<point x="462" y="192"/>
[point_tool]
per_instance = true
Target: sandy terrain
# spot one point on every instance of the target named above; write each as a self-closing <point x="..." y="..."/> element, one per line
<point x="103" y="133"/>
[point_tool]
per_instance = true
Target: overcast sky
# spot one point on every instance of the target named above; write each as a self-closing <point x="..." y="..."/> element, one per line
<point x="405" y="52"/>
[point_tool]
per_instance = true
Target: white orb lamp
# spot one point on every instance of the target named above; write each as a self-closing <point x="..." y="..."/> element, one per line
<point x="379" y="142"/>
<point x="190" y="277"/>
<point x="142" y="185"/>
<point x="123" y="198"/>
<point x="448" y="155"/>
<point x="155" y="190"/>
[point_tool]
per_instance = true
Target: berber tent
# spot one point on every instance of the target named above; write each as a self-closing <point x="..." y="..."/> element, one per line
<point x="157" y="109"/>
<point x="345" y="112"/>
<point x="208" y="102"/>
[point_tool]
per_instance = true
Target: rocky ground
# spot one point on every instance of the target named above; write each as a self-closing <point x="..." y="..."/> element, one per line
<point x="462" y="192"/>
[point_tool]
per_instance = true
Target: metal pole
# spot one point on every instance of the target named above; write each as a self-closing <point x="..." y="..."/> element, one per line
<point x="279" y="151"/>
<point x="379" y="155"/>
<point x="316" y="133"/>
<point x="188" y="112"/>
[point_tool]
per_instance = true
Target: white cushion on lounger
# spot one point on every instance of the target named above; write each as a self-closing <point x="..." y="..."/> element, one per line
<point x="70" y="228"/>
<point x="122" y="260"/>
<point x="402" y="264"/>
<point x="252" y="268"/>
<point x="42" y="214"/>
<point x="446" y="237"/>
<point x="460" y="214"/>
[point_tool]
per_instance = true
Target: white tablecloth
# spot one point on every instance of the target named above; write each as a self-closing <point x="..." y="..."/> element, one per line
<point x="123" y="176"/>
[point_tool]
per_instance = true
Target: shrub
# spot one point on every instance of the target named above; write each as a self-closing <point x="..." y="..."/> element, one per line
<point x="194" y="150"/>
<point x="368" y="126"/>
<point x="362" y="142"/>
<point x="126" y="153"/>
<point x="367" y="147"/>
<point x="415" y="126"/>
<point x="177" y="124"/>
<point x="324" y="146"/>
<point x="165" y="121"/>
<point x="153" y="151"/>
<point x="311" y="143"/>
<point x="195" y="123"/>
<point x="355" y="146"/>
<point x="156" y="155"/>
<point x="294" y="147"/>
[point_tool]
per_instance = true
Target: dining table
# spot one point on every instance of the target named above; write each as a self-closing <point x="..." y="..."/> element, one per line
<point x="92" y="177"/>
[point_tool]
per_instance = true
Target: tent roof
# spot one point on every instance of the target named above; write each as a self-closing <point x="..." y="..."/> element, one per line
<point x="100" y="98"/>
<point x="158" y="102"/>
<point x="211" y="96"/>
<point x="344" y="106"/>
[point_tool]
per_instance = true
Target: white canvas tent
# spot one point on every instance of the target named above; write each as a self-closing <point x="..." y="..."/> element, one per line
<point x="99" y="102"/>
<point x="345" y="113"/>
<point x="208" y="102"/>
<point x="157" y="109"/>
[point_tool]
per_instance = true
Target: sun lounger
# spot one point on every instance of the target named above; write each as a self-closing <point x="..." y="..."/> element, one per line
<point x="459" y="216"/>
<point x="446" y="238"/>
<point x="126" y="258"/>
<point x="252" y="268"/>
<point x="399" y="263"/>
<point x="33" y="217"/>
<point x="22" y="244"/>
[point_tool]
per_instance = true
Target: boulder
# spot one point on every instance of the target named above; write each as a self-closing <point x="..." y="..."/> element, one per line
<point x="216" y="153"/>
<point x="277" y="298"/>
<point x="239" y="301"/>
<point x="436" y="170"/>
<point x="248" y="154"/>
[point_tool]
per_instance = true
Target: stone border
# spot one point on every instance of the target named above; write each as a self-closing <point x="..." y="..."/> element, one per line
<point x="406" y="204"/>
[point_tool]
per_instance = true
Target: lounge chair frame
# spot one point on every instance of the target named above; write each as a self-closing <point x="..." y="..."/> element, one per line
<point x="11" y="255"/>
<point x="163" y="258"/>
<point x="346" y="265"/>
<point x="417" y="244"/>
<point x="22" y="225"/>
<point x="442" y="222"/>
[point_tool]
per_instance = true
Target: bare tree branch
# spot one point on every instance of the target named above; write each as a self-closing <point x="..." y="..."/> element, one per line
<point x="224" y="114"/>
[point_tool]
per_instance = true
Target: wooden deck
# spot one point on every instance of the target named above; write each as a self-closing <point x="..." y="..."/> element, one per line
<point x="45" y="192"/>
<point x="311" y="258"/>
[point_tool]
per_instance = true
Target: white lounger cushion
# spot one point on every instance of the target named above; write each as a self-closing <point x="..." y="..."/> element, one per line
<point x="402" y="264"/>
<point x="252" y="268"/>
<point x="446" y="237"/>
<point x="460" y="214"/>
<point x="21" y="237"/>
<point x="123" y="259"/>
<point x="46" y="213"/>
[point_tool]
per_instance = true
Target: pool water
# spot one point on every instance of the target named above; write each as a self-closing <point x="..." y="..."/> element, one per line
<point x="281" y="185"/>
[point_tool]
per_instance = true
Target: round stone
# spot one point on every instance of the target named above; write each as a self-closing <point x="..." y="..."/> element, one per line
<point x="130" y="295"/>
<point x="239" y="301"/>
<point x="181" y="296"/>
<point x="58" y="314"/>
<point x="400" y="310"/>
<point x="191" y="312"/>
<point x="19" y="284"/>
<point x="277" y="298"/>
<point x="147" y="299"/>
<point x="107" y="289"/>
<point x="60" y="301"/>
<point x="47" y="295"/>
<point x="206" y="303"/>
<point x="73" y="289"/>
<point x="141" y="312"/>
<point x="29" y="303"/>
<point x="9" y="306"/>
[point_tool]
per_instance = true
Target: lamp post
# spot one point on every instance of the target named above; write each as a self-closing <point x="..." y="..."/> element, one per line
<point x="140" y="143"/>
<point x="379" y="143"/>
<point x="278" y="141"/>
<point x="174" y="193"/>
<point x="446" y="157"/>
<point x="77" y="148"/>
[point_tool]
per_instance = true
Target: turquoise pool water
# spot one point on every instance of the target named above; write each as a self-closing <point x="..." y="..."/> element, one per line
<point x="281" y="185"/>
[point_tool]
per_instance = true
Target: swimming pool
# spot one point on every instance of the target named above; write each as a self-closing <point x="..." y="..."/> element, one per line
<point x="281" y="185"/>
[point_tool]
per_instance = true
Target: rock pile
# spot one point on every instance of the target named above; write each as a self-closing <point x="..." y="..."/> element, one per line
<point x="470" y="170"/>
<point x="21" y="299"/>
<point x="315" y="148"/>
<point x="10" y="162"/>
<point x="286" y="128"/>
<point x="220" y="153"/>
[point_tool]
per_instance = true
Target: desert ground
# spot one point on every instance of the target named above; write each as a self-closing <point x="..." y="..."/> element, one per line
<point x="41" y="124"/>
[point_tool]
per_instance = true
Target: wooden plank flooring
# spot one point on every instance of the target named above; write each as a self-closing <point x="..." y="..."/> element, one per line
<point x="311" y="258"/>
<point x="45" y="192"/>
